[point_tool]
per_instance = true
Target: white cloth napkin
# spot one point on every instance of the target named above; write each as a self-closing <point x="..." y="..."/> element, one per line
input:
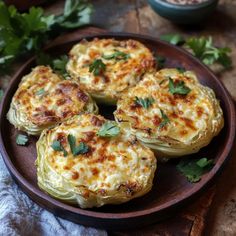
<point x="21" y="216"/>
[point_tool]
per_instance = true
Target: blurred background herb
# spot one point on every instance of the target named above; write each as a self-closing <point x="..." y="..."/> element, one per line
<point x="202" y="48"/>
<point x="25" y="33"/>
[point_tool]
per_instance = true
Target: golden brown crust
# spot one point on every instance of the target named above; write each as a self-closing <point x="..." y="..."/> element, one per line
<point x="118" y="76"/>
<point x="114" y="170"/>
<point x="194" y="118"/>
<point x="44" y="99"/>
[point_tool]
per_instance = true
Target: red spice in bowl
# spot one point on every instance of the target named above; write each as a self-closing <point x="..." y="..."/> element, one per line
<point x="185" y="2"/>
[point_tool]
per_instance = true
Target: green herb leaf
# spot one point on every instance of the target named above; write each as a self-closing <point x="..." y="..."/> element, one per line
<point x="76" y="14"/>
<point x="117" y="55"/>
<point x="181" y="69"/>
<point x="178" y="88"/>
<point x="144" y="102"/>
<point x="57" y="146"/>
<point x="160" y="61"/>
<point x="22" y="139"/>
<point x="40" y="92"/>
<point x="97" y="67"/>
<point x="82" y="148"/>
<point x="1" y="94"/>
<point x="23" y="33"/>
<point x="204" y="49"/>
<point x="175" y="39"/>
<point x="203" y="162"/>
<point x="109" y="129"/>
<point x="59" y="65"/>
<point x="194" y="169"/>
<point x="165" y="120"/>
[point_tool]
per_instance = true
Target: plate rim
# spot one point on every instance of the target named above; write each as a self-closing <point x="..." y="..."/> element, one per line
<point x="32" y="190"/>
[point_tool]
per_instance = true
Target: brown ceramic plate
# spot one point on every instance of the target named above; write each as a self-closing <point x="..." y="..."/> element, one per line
<point x="170" y="191"/>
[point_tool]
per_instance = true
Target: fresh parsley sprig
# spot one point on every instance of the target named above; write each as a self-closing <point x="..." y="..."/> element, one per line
<point x="23" y="33"/>
<point x="22" y="139"/>
<point x="178" y="88"/>
<point x="194" y="169"/>
<point x="97" y="67"/>
<point x="117" y="55"/>
<point x="165" y="120"/>
<point x="109" y="129"/>
<point x="144" y="102"/>
<point x="202" y="48"/>
<point x="82" y="148"/>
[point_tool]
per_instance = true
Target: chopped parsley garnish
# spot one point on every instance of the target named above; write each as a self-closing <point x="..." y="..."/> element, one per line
<point x="165" y="120"/>
<point x="57" y="146"/>
<point x="160" y="61"/>
<point x="109" y="129"/>
<point x="144" y="102"/>
<point x="82" y="148"/>
<point x="22" y="139"/>
<point x="178" y="88"/>
<point x="194" y="169"/>
<point x="40" y="92"/>
<point x="97" y="67"/>
<point x="117" y="55"/>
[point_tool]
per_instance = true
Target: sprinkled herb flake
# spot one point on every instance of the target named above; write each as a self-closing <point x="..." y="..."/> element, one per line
<point x="97" y="67"/>
<point x="109" y="129"/>
<point x="178" y="88"/>
<point x="22" y="139"/>
<point x="82" y="148"/>
<point x="144" y="102"/>
<point x="181" y="69"/>
<point x="165" y="120"/>
<point x="160" y="61"/>
<point x="117" y="55"/>
<point x="40" y="92"/>
<point x="57" y="146"/>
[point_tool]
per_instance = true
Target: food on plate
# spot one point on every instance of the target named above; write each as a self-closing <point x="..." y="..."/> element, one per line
<point x="171" y="112"/>
<point x="90" y="161"/>
<point x="44" y="99"/>
<point x="106" y="68"/>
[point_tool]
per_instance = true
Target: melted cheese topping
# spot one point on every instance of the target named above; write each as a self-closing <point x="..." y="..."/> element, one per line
<point x="194" y="119"/>
<point x="44" y="98"/>
<point x="113" y="171"/>
<point x="119" y="74"/>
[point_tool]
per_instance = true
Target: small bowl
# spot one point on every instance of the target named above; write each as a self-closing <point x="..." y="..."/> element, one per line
<point x="184" y="14"/>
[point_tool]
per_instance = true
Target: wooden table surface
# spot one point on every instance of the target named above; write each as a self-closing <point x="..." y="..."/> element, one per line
<point x="137" y="17"/>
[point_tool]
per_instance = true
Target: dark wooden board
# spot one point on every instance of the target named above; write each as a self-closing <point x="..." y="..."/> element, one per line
<point x="170" y="191"/>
